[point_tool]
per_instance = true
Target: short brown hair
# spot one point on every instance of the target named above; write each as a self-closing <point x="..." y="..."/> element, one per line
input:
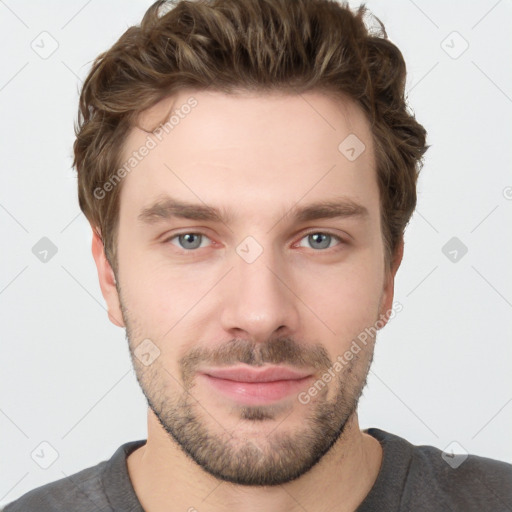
<point x="256" y="45"/>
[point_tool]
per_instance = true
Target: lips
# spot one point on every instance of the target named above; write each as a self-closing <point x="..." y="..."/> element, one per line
<point x="255" y="386"/>
<point x="268" y="374"/>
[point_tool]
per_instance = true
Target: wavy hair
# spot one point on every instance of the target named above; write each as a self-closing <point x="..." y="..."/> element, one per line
<point x="255" y="45"/>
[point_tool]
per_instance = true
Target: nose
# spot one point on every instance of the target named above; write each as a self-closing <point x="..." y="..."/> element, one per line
<point x="259" y="302"/>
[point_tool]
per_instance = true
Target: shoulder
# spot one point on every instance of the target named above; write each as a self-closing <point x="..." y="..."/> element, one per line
<point x="93" y="488"/>
<point x="450" y="481"/>
<point x="79" y="492"/>
<point x="464" y="479"/>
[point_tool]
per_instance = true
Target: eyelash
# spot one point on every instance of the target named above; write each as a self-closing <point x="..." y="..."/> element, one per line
<point x="313" y="232"/>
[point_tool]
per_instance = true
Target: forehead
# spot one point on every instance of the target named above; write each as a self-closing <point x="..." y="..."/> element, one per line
<point x="210" y="113"/>
<point x="252" y="149"/>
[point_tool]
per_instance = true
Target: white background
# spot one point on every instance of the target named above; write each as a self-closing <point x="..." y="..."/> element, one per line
<point x="442" y="366"/>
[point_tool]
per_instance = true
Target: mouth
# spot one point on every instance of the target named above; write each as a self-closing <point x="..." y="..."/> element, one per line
<point x="256" y="386"/>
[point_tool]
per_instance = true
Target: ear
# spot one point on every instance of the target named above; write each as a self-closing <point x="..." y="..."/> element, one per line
<point x="107" y="280"/>
<point x="389" y="284"/>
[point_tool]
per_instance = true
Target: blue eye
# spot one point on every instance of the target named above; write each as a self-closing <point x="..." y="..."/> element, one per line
<point x="320" y="240"/>
<point x="189" y="241"/>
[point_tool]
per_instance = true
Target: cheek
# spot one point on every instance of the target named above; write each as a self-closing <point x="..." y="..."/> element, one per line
<point x="345" y="297"/>
<point x="148" y="290"/>
<point x="163" y="300"/>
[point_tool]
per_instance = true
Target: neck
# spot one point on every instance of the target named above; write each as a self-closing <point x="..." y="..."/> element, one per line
<point x="165" y="478"/>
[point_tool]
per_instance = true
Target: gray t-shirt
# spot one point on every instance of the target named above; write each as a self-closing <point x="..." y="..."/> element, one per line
<point x="411" y="478"/>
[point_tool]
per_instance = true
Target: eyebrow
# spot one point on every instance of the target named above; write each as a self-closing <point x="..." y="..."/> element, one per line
<point x="168" y="208"/>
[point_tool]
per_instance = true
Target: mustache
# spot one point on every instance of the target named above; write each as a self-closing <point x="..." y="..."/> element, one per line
<point x="275" y="351"/>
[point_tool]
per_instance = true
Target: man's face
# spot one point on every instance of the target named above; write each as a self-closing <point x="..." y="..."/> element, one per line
<point x="257" y="286"/>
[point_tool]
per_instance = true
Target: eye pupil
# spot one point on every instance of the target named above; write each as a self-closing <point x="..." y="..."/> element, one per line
<point x="317" y="240"/>
<point x="323" y="239"/>
<point x="190" y="240"/>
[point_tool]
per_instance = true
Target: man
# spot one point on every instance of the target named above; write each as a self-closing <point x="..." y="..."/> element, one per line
<point x="248" y="168"/>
